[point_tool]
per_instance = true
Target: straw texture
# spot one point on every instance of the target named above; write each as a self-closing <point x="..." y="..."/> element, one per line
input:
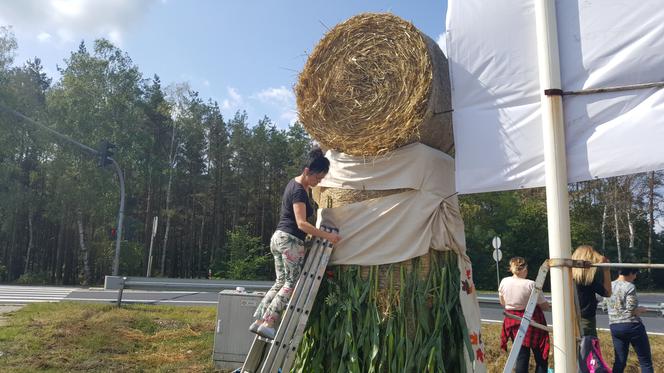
<point x="375" y="83"/>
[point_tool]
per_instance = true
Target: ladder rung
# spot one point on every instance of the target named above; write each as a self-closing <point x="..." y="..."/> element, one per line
<point x="532" y="323"/>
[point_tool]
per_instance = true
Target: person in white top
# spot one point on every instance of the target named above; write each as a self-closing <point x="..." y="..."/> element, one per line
<point x="514" y="292"/>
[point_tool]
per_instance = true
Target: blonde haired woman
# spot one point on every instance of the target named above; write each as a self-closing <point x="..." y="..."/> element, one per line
<point x="514" y="292"/>
<point x="589" y="282"/>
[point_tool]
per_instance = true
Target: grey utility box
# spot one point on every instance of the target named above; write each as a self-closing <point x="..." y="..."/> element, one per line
<point x="232" y="338"/>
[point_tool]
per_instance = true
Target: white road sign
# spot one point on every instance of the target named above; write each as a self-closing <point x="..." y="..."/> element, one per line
<point x="497" y="255"/>
<point x="495" y="242"/>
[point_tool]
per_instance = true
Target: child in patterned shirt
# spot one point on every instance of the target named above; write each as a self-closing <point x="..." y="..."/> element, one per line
<point x="625" y="323"/>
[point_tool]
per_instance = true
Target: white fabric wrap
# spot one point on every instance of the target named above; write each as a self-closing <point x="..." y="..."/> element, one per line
<point x="400" y="226"/>
<point x="405" y="225"/>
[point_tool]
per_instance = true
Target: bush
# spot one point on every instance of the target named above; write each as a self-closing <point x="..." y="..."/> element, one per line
<point x="247" y="258"/>
<point x="30" y="278"/>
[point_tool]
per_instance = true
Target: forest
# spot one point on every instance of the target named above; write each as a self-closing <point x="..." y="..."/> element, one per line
<point x="215" y="184"/>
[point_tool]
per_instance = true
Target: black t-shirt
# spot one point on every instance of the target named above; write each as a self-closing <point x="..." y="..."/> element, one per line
<point x="587" y="298"/>
<point x="293" y="193"/>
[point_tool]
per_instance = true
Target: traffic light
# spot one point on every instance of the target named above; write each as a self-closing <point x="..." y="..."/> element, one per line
<point x="105" y="152"/>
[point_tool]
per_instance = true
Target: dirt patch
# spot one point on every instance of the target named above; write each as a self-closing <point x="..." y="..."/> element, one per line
<point x="5" y="309"/>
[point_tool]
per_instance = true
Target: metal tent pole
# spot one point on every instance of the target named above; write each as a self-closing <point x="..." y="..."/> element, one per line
<point x="564" y="343"/>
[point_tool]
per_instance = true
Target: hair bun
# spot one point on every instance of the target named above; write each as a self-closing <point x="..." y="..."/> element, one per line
<point x="316" y="152"/>
<point x="316" y="162"/>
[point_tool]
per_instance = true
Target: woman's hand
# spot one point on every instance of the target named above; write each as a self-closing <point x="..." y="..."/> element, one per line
<point x="605" y="259"/>
<point x="333" y="237"/>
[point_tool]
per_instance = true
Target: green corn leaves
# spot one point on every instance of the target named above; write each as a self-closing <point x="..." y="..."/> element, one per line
<point x="413" y="325"/>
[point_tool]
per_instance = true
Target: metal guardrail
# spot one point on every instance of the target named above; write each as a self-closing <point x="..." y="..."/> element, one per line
<point x="121" y="283"/>
<point x="656" y="308"/>
<point x="651" y="308"/>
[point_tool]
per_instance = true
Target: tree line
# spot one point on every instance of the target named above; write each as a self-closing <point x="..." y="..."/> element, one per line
<point x="215" y="183"/>
<point x="618" y="216"/>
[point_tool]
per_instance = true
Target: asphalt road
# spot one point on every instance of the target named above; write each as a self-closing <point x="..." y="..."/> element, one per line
<point x="11" y="294"/>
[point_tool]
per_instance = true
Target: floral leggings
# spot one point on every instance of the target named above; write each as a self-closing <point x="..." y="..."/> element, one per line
<point x="288" y="252"/>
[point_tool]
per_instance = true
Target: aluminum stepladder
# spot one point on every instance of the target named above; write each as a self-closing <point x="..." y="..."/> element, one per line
<point x="526" y="320"/>
<point x="267" y="356"/>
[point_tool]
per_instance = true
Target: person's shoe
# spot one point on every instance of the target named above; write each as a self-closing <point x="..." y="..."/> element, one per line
<point x="266" y="332"/>
<point x="254" y="326"/>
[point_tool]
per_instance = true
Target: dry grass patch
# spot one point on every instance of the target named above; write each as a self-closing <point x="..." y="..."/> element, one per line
<point x="496" y="358"/>
<point x="78" y="337"/>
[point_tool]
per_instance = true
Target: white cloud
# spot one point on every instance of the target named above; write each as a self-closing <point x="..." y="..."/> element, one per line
<point x="69" y="8"/>
<point x="277" y="96"/>
<point x="282" y="99"/>
<point x="115" y="36"/>
<point x="289" y="116"/>
<point x="276" y="103"/>
<point x="442" y="43"/>
<point x="234" y="100"/>
<point x="206" y="83"/>
<point x="44" y="37"/>
<point x="72" y="20"/>
<point x="65" y="35"/>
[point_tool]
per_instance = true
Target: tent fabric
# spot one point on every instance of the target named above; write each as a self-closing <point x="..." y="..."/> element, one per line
<point x="405" y="225"/>
<point x="496" y="93"/>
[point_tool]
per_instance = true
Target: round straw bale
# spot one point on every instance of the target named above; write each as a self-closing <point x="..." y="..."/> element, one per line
<point x="375" y="83"/>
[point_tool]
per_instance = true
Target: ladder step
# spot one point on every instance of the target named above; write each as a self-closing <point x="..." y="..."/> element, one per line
<point x="255" y="355"/>
<point x="265" y="340"/>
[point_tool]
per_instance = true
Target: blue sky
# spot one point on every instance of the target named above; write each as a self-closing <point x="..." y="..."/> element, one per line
<point x="243" y="54"/>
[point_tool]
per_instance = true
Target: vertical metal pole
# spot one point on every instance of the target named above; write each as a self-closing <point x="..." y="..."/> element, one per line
<point x="121" y="290"/>
<point x="118" y="238"/>
<point x="497" y="277"/>
<point x="564" y="344"/>
<point x="155" y="220"/>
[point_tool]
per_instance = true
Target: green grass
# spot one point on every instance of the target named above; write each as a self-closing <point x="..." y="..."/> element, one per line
<point x="81" y="337"/>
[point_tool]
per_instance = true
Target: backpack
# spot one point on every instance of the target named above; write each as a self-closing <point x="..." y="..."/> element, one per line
<point x="590" y="356"/>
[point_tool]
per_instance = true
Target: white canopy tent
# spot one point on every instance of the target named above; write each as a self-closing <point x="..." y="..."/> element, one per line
<point x="492" y="51"/>
<point x="511" y="64"/>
